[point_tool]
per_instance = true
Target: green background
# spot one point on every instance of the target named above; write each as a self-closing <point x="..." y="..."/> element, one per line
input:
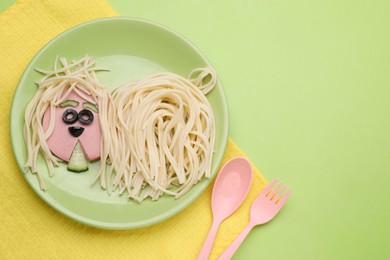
<point x="308" y="88"/>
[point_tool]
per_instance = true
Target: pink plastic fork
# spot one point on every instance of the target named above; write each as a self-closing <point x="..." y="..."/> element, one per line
<point x="264" y="208"/>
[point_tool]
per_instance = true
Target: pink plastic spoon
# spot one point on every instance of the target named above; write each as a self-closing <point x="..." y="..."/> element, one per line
<point x="230" y="189"/>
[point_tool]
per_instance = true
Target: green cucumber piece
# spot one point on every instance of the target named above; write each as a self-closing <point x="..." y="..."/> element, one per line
<point x="78" y="162"/>
<point x="91" y="106"/>
<point x="69" y="103"/>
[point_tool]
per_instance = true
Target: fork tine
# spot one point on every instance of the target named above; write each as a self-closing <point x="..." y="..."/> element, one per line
<point x="267" y="188"/>
<point x="280" y="192"/>
<point x="274" y="192"/>
<point x="281" y="202"/>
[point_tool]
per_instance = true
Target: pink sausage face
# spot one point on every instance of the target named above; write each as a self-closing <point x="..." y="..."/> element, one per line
<point x="61" y="142"/>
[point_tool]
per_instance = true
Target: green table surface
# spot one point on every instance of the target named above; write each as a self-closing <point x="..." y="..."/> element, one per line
<point x="308" y="88"/>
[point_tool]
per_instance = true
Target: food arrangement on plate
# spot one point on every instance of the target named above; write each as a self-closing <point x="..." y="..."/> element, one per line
<point x="153" y="136"/>
<point x="122" y="131"/>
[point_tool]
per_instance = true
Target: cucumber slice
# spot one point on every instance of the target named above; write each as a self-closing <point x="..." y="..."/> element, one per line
<point x="91" y="106"/>
<point x="69" y="103"/>
<point x="78" y="162"/>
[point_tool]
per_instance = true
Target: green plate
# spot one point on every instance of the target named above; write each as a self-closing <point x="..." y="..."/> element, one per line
<point x="131" y="48"/>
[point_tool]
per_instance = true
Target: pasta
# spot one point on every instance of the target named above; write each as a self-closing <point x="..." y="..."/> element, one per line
<point x="158" y="132"/>
<point x="164" y="134"/>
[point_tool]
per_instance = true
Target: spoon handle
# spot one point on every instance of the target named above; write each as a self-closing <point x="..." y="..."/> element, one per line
<point x="229" y="252"/>
<point x="208" y="243"/>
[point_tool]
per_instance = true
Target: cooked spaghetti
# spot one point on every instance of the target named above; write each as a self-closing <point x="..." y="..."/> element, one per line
<point x="164" y="134"/>
<point x="158" y="132"/>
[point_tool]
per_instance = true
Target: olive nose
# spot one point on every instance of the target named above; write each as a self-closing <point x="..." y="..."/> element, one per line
<point x="76" y="131"/>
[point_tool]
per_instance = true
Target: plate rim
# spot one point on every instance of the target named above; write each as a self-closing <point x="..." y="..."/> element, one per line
<point x="123" y="225"/>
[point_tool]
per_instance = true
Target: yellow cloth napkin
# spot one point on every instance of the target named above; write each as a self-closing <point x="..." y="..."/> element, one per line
<point x="30" y="229"/>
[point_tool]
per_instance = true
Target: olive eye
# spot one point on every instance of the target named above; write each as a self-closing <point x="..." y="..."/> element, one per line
<point x="85" y="117"/>
<point x="69" y="116"/>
